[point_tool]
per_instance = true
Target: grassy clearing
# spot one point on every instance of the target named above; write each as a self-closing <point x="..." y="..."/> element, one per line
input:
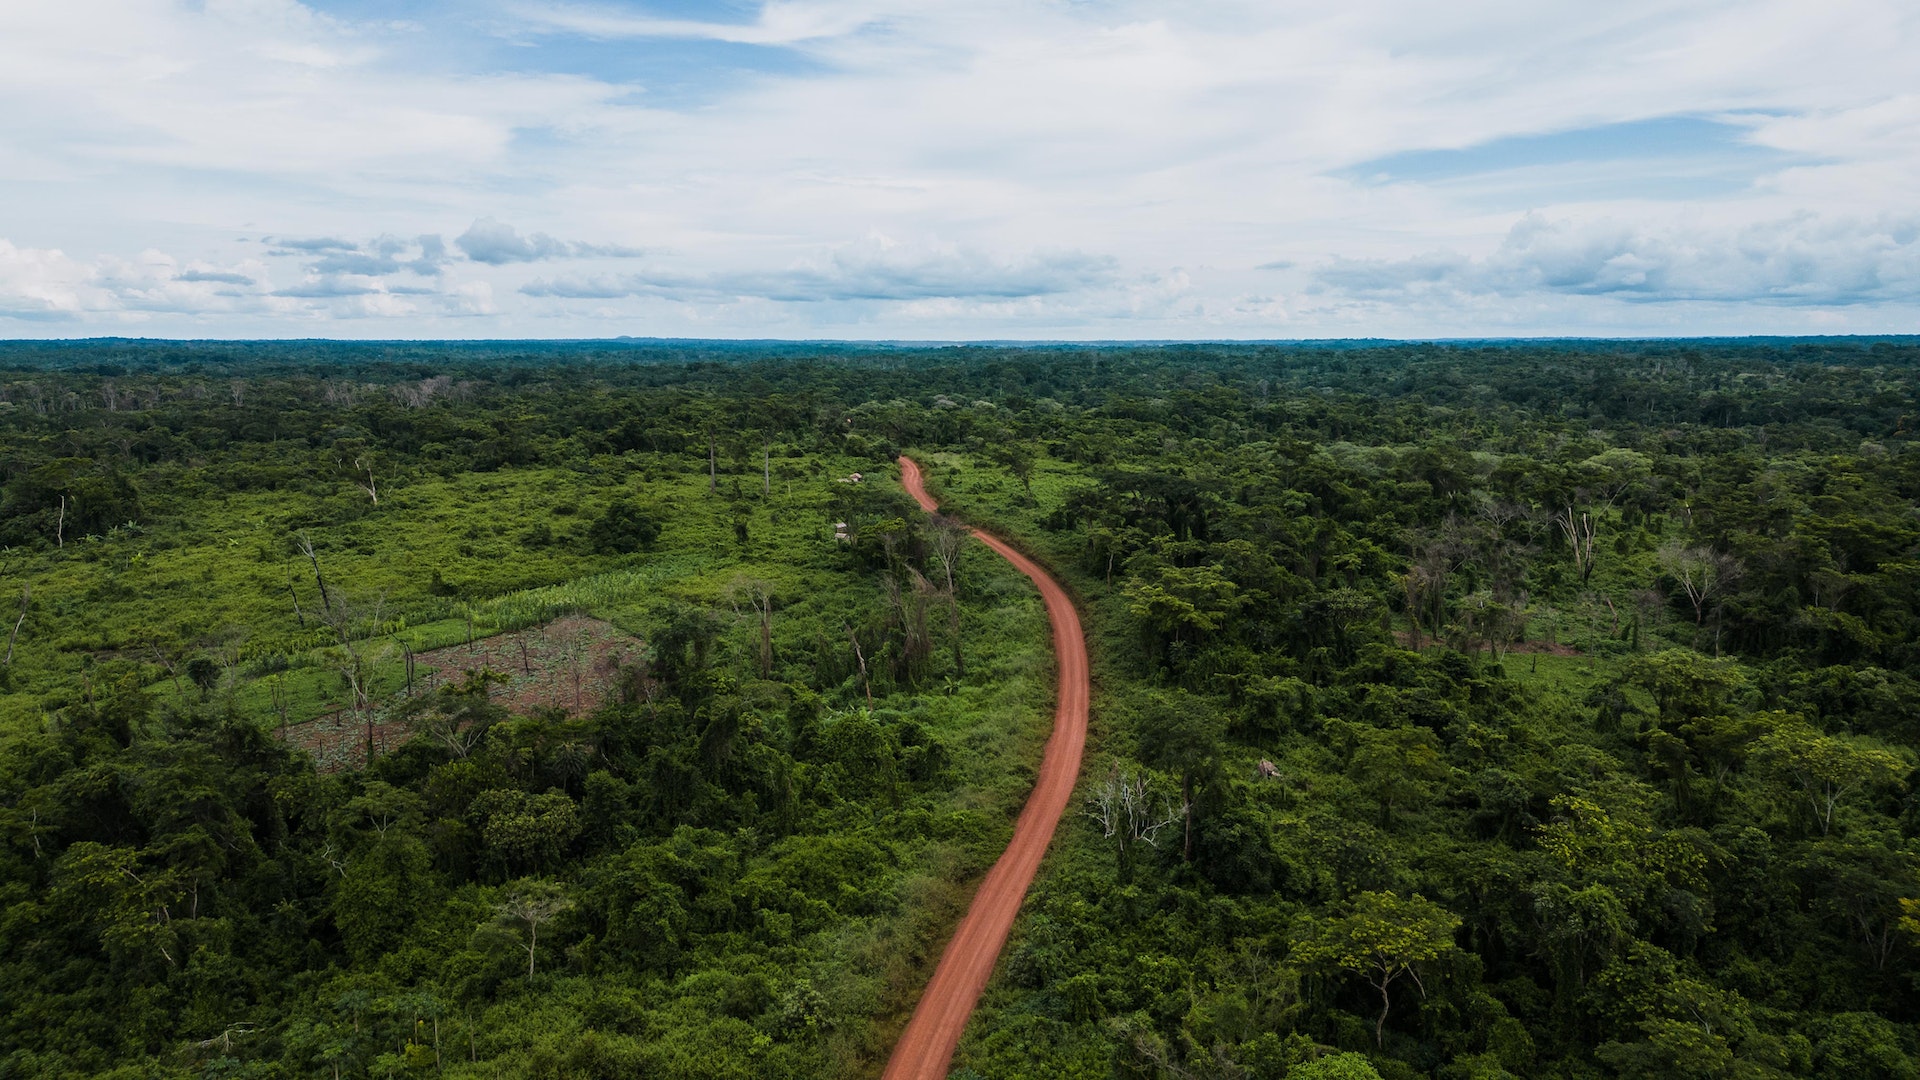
<point x="441" y="558"/>
<point x="1573" y="676"/>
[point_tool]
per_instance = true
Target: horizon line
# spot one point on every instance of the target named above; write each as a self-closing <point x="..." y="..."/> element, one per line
<point x="627" y="339"/>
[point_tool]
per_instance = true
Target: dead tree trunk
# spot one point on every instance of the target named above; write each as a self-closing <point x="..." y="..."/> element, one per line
<point x="947" y="541"/>
<point x="1580" y="529"/>
<point x="865" y="681"/>
<point x="766" y="635"/>
<point x="26" y="594"/>
<point x="326" y="601"/>
<point x="372" y="489"/>
<point x="406" y="654"/>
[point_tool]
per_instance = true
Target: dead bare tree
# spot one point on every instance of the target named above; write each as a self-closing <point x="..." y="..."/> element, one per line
<point x="919" y="638"/>
<point x="406" y="655"/>
<point x="26" y="597"/>
<point x="224" y="1040"/>
<point x="364" y="463"/>
<point x="60" y="525"/>
<point x="907" y="609"/>
<point x="1579" y="528"/>
<point x="1700" y="572"/>
<point x="357" y="659"/>
<point x="1122" y="805"/>
<point x="757" y="594"/>
<point x="305" y="543"/>
<point x="948" y="539"/>
<point x="860" y="655"/>
<point x="299" y="616"/>
<point x="1703" y="575"/>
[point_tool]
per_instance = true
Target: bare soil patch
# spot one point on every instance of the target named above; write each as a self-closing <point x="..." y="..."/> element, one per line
<point x="571" y="664"/>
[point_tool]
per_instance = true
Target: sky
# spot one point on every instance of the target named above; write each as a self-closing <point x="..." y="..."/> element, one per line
<point x="986" y="169"/>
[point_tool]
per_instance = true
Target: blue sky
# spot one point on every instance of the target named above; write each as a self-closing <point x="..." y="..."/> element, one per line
<point x="1094" y="169"/>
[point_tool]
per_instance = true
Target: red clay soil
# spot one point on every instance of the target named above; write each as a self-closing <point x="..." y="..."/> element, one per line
<point x="571" y="664"/>
<point x="926" y="1047"/>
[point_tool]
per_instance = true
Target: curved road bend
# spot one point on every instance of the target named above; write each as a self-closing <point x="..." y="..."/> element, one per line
<point x="926" y="1047"/>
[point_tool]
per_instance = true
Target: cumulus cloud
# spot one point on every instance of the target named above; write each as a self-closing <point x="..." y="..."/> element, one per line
<point x="41" y="284"/>
<point x="48" y="285"/>
<point x="497" y="243"/>
<point x="872" y="272"/>
<point x="329" y="257"/>
<point x="1798" y="260"/>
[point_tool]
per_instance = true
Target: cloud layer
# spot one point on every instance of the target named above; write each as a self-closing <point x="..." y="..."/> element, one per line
<point x="869" y="273"/>
<point x="497" y="243"/>
<point x="1802" y="260"/>
<point x="1121" y="169"/>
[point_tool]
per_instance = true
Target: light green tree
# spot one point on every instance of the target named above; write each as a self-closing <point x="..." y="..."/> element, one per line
<point x="1347" y="1066"/>
<point x="531" y="904"/>
<point x="1822" y="770"/>
<point x="1381" y="939"/>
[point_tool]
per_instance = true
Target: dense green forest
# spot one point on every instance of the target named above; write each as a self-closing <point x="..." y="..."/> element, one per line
<point x="1462" y="710"/>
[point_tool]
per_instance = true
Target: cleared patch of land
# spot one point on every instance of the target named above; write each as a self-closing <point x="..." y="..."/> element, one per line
<point x="570" y="665"/>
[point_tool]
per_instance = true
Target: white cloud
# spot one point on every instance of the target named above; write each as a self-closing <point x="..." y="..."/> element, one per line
<point x="781" y="22"/>
<point x="1802" y="260"/>
<point x="1186" y="145"/>
<point x="46" y="284"/>
<point x="473" y="298"/>
<point x="496" y="243"/>
<point x="40" y="284"/>
<point x="880" y="270"/>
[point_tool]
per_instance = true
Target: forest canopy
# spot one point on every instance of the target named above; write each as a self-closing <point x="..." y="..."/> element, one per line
<point x="1462" y="710"/>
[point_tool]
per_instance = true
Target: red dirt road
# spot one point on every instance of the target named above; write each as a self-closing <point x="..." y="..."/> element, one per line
<point x="926" y="1046"/>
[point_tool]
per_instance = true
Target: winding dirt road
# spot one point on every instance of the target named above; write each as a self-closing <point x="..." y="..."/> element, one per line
<point x="926" y="1046"/>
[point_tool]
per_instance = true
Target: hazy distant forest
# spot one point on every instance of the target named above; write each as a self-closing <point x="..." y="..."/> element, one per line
<point x="607" y="710"/>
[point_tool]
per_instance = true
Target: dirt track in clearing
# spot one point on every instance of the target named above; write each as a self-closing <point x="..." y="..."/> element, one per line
<point x="925" y="1050"/>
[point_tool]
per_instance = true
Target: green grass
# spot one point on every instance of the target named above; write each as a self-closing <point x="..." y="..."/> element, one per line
<point x="1573" y="676"/>
<point x="217" y="575"/>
